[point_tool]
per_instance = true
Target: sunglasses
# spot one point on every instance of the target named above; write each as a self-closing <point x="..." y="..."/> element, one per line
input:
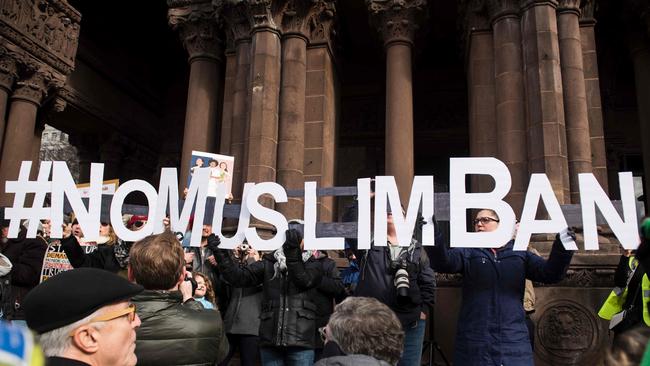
<point x="129" y="311"/>
<point x="484" y="220"/>
<point x="139" y="223"/>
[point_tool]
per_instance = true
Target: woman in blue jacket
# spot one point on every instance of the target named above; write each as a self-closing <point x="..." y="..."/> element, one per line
<point x="491" y="327"/>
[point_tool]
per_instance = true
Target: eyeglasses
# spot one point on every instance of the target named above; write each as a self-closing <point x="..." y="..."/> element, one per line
<point x="484" y="220"/>
<point x="323" y="333"/>
<point x="128" y="311"/>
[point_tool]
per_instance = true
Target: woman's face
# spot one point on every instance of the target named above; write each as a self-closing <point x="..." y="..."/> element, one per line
<point x="199" y="162"/>
<point x="223" y="165"/>
<point x="200" y="288"/>
<point x="213" y="164"/>
<point x="104" y="229"/>
<point x="485" y="221"/>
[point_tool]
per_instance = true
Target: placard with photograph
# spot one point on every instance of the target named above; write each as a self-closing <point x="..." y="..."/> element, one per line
<point x="221" y="170"/>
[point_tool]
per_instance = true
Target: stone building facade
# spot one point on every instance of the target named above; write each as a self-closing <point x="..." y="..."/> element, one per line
<point x="332" y="90"/>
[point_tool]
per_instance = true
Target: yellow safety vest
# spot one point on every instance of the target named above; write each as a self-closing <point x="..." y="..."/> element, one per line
<point x="614" y="303"/>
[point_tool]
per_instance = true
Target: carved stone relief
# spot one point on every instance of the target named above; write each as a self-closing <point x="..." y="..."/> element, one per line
<point x="49" y="30"/>
<point x="568" y="333"/>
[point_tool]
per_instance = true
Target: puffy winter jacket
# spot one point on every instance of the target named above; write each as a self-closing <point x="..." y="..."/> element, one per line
<point x="173" y="333"/>
<point x="26" y="256"/>
<point x="491" y="325"/>
<point x="288" y="312"/>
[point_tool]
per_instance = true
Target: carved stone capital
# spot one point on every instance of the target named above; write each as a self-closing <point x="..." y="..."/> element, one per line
<point x="321" y="22"/>
<point x="261" y="15"/>
<point x="36" y="85"/>
<point x="8" y="71"/>
<point x="238" y="23"/>
<point x="502" y="8"/>
<point x="475" y="16"/>
<point x="295" y="18"/>
<point x="196" y="23"/>
<point x="396" y="20"/>
<point x="569" y="6"/>
<point x="587" y="9"/>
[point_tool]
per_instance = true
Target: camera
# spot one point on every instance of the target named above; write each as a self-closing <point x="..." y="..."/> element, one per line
<point x="188" y="277"/>
<point x="244" y="247"/>
<point x="401" y="280"/>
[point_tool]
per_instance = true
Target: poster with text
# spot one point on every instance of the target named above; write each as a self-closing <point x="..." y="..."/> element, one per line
<point x="56" y="261"/>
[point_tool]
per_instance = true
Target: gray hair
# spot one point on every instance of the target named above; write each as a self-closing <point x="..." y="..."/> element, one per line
<point x="363" y="325"/>
<point x="55" y="342"/>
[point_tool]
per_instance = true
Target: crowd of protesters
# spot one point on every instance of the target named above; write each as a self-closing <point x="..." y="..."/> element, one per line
<point x="157" y="302"/>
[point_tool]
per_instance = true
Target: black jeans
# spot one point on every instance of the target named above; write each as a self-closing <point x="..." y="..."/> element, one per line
<point x="248" y="346"/>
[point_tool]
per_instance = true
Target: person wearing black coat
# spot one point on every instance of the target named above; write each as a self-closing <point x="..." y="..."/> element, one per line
<point x="330" y="290"/>
<point x="26" y="256"/>
<point x="378" y="273"/>
<point x="104" y="257"/>
<point x="288" y="319"/>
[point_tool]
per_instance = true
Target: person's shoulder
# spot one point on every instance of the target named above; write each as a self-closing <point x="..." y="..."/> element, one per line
<point x="351" y="360"/>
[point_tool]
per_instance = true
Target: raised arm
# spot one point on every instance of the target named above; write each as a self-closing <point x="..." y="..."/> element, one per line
<point x="554" y="268"/>
<point x="77" y="257"/>
<point x="304" y="278"/>
<point x="445" y="259"/>
<point x="248" y="276"/>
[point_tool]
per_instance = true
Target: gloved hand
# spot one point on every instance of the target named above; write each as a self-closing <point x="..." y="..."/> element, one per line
<point x="566" y="235"/>
<point x="69" y="240"/>
<point x="213" y="243"/>
<point x="291" y="246"/>
<point x="419" y="224"/>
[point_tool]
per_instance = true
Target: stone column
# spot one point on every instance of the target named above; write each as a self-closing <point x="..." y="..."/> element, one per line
<point x="547" y="146"/>
<point x="291" y="132"/>
<point x="265" y="92"/>
<point x="397" y="24"/>
<point x="509" y="97"/>
<point x="8" y="74"/>
<point x="228" y="91"/>
<point x="238" y="32"/>
<point x="197" y="27"/>
<point x="575" y="95"/>
<point x="21" y="123"/>
<point x="480" y="87"/>
<point x="321" y="101"/>
<point x="640" y="52"/>
<point x="592" y="91"/>
<point x="240" y="117"/>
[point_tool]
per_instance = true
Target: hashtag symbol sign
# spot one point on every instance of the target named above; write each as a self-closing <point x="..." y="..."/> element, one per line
<point x="21" y="187"/>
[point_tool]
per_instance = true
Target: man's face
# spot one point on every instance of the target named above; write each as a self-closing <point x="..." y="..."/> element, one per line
<point x="76" y="230"/>
<point x="117" y="340"/>
<point x="207" y="230"/>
